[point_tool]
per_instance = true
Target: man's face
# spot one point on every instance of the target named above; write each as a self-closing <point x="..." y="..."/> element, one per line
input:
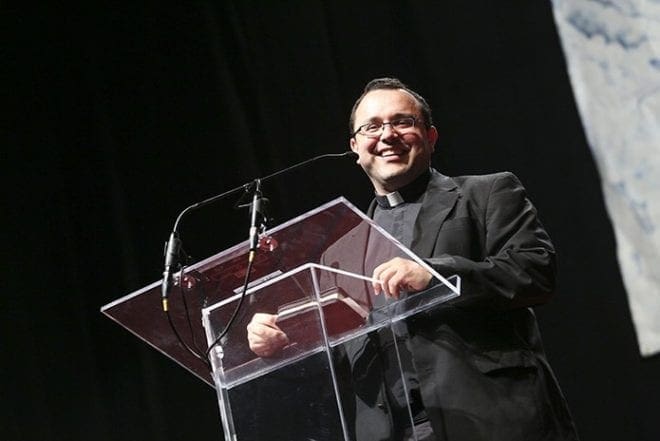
<point x="394" y="158"/>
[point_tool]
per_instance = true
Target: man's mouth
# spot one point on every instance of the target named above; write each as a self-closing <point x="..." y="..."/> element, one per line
<point x="393" y="153"/>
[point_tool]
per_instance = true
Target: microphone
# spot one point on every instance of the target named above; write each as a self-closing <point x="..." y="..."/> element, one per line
<point x="172" y="248"/>
<point x="255" y="213"/>
<point x="173" y="245"/>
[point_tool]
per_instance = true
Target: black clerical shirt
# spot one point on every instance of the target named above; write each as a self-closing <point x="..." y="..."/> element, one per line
<point x="396" y="214"/>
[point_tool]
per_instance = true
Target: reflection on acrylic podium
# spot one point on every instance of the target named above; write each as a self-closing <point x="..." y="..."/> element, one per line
<point x="344" y="341"/>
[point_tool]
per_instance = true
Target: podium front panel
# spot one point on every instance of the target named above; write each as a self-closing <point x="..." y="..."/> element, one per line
<point x="341" y="339"/>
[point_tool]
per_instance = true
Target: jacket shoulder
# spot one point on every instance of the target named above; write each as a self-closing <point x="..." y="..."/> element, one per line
<point x="483" y="181"/>
<point x="480" y="189"/>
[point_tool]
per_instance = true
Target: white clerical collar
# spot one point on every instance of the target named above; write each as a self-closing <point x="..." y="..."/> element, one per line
<point x="407" y="193"/>
<point x="394" y="199"/>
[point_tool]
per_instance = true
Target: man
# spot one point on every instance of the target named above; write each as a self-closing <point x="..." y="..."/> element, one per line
<point x="480" y="370"/>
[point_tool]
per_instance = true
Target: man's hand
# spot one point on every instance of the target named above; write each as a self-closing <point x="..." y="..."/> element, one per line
<point x="264" y="336"/>
<point x="399" y="275"/>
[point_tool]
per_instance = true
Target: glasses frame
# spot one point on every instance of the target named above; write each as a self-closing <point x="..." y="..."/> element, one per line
<point x="381" y="128"/>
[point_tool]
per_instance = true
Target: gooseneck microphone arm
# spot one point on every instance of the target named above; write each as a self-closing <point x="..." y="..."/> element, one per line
<point x="303" y="163"/>
<point x="173" y="245"/>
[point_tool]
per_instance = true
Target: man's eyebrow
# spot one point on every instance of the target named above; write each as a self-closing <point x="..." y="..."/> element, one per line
<point x="395" y="116"/>
<point x="403" y="115"/>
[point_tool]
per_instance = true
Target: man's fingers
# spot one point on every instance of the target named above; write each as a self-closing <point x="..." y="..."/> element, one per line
<point x="394" y="285"/>
<point x="384" y="274"/>
<point x="265" y="338"/>
<point x="263" y="318"/>
<point x="397" y="275"/>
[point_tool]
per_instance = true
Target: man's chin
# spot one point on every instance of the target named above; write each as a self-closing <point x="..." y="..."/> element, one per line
<point x="394" y="181"/>
<point x="394" y="171"/>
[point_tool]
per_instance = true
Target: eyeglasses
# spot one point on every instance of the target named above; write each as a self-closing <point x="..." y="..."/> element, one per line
<point x="375" y="129"/>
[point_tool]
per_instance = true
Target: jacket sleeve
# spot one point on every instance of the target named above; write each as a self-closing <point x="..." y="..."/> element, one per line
<point x="517" y="268"/>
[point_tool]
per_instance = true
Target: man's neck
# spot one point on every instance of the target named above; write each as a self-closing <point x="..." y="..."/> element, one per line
<point x="406" y="193"/>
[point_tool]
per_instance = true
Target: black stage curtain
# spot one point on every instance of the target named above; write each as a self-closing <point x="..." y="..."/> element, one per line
<point x="118" y="116"/>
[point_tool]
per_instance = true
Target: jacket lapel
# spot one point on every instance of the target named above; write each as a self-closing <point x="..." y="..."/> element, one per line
<point x="439" y="199"/>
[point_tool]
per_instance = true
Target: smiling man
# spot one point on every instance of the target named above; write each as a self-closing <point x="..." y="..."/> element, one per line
<point x="479" y="371"/>
<point x="480" y="368"/>
<point x="394" y="139"/>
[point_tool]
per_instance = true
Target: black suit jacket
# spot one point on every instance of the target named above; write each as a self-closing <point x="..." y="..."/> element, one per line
<point x="482" y="371"/>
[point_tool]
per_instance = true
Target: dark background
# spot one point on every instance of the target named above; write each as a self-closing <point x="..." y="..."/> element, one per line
<point x="120" y="116"/>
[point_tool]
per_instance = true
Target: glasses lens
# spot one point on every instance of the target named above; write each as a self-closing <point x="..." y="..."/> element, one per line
<point x="371" y="128"/>
<point x="403" y="123"/>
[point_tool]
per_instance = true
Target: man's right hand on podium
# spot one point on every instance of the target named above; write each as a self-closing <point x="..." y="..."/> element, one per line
<point x="264" y="336"/>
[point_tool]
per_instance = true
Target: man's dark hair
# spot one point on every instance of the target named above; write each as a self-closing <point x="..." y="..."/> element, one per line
<point x="392" y="84"/>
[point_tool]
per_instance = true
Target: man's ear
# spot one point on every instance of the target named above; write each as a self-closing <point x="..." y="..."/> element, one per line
<point x="432" y="135"/>
<point x="353" y="145"/>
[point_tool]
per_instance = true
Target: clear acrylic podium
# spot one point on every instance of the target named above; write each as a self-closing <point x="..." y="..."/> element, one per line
<point x="345" y="343"/>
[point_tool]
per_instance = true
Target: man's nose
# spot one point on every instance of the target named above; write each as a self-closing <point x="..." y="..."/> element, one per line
<point x="388" y="132"/>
